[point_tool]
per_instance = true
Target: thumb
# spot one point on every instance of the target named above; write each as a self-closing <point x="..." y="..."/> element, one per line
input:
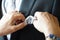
<point x="19" y="26"/>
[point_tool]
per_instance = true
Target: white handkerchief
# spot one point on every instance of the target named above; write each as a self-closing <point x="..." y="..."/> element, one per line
<point x="30" y="19"/>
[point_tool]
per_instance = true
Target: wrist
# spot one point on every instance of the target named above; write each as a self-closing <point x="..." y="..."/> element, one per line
<point x="52" y="35"/>
<point x="56" y="34"/>
<point x="48" y="33"/>
<point x="55" y="31"/>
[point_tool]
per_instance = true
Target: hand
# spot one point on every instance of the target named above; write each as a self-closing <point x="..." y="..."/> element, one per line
<point x="11" y="23"/>
<point x="46" y="23"/>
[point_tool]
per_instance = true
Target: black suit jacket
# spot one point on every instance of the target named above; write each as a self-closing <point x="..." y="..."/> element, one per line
<point x="29" y="7"/>
<point x="0" y="9"/>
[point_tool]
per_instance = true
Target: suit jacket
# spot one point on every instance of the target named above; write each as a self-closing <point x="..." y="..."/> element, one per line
<point x="0" y="9"/>
<point x="29" y="7"/>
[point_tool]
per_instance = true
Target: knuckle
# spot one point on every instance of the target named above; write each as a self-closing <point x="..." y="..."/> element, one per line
<point x="13" y="28"/>
<point x="45" y="14"/>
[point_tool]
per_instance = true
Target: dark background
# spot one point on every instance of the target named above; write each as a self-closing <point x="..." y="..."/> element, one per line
<point x="0" y="10"/>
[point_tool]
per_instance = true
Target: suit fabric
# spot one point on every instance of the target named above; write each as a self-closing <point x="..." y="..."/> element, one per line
<point x="29" y="7"/>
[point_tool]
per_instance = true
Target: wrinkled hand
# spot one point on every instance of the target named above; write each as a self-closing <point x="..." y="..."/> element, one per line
<point x="11" y="22"/>
<point x="46" y="23"/>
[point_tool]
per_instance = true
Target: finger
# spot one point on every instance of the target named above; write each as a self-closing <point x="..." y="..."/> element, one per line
<point x="19" y="26"/>
<point x="37" y="15"/>
<point x="20" y="16"/>
<point x="14" y="28"/>
<point x="42" y="16"/>
<point x="17" y="18"/>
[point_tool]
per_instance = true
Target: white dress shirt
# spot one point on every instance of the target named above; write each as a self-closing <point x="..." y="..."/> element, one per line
<point x="9" y="6"/>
